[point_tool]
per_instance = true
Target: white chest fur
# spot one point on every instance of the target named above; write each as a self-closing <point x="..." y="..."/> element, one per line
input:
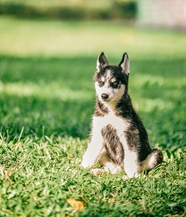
<point x="118" y="123"/>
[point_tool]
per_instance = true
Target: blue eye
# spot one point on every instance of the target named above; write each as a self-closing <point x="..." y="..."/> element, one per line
<point x="101" y="83"/>
<point x="114" y="84"/>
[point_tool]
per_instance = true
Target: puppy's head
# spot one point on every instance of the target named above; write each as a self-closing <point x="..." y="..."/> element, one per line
<point x="111" y="81"/>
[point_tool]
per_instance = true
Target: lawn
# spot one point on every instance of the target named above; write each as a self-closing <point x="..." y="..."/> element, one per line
<point x="46" y="102"/>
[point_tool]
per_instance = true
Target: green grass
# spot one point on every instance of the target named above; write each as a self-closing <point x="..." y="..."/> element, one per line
<point x="46" y="102"/>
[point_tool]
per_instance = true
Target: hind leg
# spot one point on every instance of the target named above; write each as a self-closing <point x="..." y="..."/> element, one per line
<point x="133" y="168"/>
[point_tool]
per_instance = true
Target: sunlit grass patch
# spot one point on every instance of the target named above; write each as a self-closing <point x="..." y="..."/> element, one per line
<point x="44" y="91"/>
<point x="58" y="38"/>
<point x="40" y="175"/>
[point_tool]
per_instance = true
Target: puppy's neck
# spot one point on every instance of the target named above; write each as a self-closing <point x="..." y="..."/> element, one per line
<point x="112" y="107"/>
<point x="107" y="107"/>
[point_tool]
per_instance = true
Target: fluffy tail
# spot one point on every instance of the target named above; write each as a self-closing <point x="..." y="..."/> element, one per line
<point x="154" y="159"/>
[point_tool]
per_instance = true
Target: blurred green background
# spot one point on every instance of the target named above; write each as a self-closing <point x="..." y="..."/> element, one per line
<point x="48" y="52"/>
<point x="70" y="9"/>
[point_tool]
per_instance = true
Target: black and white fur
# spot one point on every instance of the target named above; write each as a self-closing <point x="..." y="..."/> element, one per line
<point x="118" y="139"/>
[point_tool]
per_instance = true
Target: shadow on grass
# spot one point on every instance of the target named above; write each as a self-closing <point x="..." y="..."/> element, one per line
<point x="55" y="96"/>
<point x="46" y="96"/>
<point x="41" y="117"/>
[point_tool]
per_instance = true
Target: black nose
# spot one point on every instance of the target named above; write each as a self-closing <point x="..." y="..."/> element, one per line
<point x="104" y="96"/>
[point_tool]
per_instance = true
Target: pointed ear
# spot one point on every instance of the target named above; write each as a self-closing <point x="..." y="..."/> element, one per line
<point x="101" y="62"/>
<point x="125" y="64"/>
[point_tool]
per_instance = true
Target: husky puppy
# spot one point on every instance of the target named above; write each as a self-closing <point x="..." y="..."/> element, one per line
<point x="118" y="139"/>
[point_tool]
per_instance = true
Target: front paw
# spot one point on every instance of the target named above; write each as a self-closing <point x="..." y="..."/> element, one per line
<point x="97" y="171"/>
